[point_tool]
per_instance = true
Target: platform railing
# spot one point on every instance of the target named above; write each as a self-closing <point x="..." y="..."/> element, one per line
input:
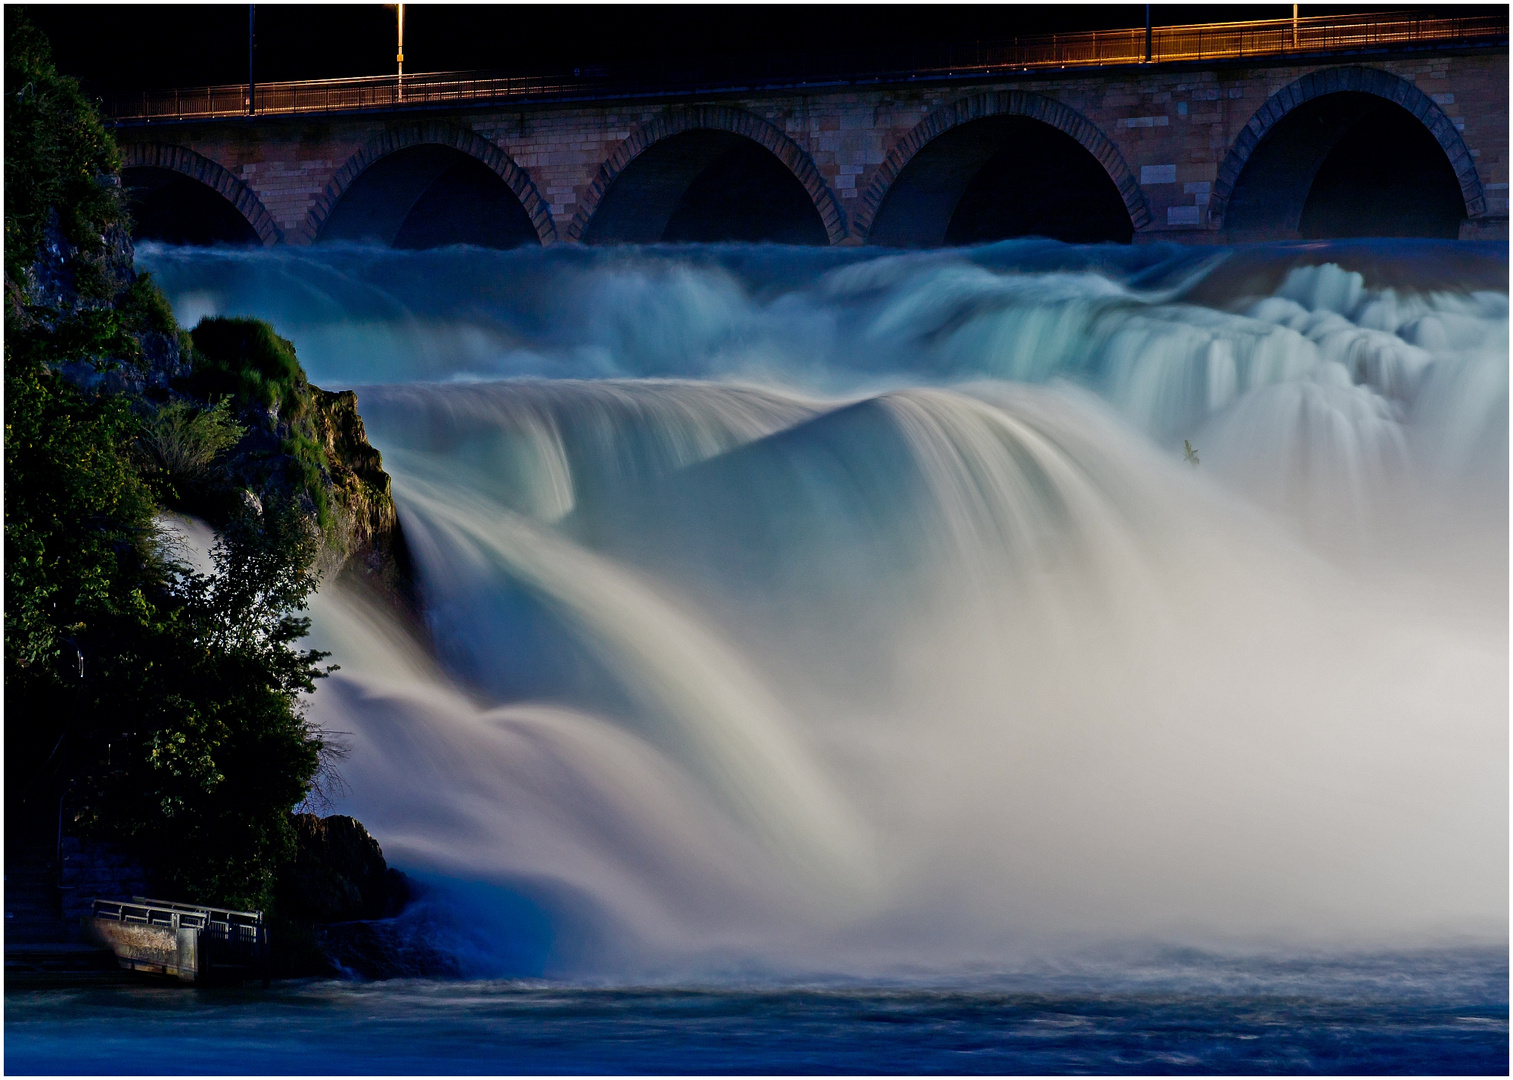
<point x="190" y="942"/>
<point x="1263" y="39"/>
<point x="220" y="922"/>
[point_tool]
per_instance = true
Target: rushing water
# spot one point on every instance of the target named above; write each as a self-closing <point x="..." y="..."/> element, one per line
<point x="801" y="615"/>
<point x="1396" y="1014"/>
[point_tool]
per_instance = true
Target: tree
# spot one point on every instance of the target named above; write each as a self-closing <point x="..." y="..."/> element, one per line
<point x="161" y="705"/>
<point x="216" y="753"/>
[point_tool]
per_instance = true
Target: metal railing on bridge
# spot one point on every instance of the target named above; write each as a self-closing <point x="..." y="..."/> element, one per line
<point x="1100" y="48"/>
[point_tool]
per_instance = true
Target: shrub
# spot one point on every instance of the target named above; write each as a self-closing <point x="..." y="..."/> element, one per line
<point x="161" y="704"/>
<point x="209" y="751"/>
<point x="75" y="513"/>
<point x="182" y="440"/>
<point x="58" y="155"/>
<point x="143" y="307"/>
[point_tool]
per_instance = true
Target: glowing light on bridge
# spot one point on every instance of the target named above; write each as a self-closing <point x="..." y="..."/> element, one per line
<point x="1314" y="36"/>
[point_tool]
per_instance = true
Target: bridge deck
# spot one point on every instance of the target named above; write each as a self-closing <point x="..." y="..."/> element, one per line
<point x="1205" y="42"/>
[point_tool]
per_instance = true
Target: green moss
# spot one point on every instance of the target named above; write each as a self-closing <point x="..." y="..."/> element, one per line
<point x="310" y="464"/>
<point x="246" y="360"/>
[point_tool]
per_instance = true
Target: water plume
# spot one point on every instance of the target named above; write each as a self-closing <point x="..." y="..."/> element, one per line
<point x="856" y="612"/>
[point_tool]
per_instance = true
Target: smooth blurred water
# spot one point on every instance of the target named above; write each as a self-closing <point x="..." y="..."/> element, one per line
<point x="1399" y="1014"/>
<point x="796" y="616"/>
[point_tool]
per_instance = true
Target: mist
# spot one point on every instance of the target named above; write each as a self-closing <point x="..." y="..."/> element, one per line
<point x="843" y="612"/>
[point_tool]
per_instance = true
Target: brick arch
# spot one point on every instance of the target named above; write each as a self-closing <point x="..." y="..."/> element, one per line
<point x="715" y="118"/>
<point x="216" y="177"/>
<point x="1362" y="80"/>
<point x="435" y="134"/>
<point x="1002" y="103"/>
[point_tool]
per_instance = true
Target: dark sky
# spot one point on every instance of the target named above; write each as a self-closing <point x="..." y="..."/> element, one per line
<point x="125" y="47"/>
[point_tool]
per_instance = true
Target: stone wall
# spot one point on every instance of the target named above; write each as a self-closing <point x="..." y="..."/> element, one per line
<point x="91" y="870"/>
<point x="1169" y="129"/>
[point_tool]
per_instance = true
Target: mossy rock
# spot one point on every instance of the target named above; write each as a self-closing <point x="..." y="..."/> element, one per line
<point x="299" y="435"/>
<point x="245" y="360"/>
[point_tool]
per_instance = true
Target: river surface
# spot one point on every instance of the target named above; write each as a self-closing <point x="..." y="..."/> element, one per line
<point x="1020" y="658"/>
<point x="1193" y="1014"/>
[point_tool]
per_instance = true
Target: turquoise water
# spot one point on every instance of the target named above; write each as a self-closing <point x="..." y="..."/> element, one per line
<point x="830" y="651"/>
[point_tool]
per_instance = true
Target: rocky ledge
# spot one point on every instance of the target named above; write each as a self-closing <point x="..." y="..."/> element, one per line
<point x="344" y="911"/>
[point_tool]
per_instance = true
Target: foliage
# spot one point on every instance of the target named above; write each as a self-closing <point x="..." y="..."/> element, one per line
<point x="205" y="783"/>
<point x="97" y="335"/>
<point x="246" y="361"/>
<point x="182" y="735"/>
<point x="58" y="155"/>
<point x="144" y="308"/>
<point x="180" y="439"/>
<point x="162" y="705"/>
<point x="76" y="511"/>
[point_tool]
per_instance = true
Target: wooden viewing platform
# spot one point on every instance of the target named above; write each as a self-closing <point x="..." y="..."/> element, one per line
<point x="190" y="942"/>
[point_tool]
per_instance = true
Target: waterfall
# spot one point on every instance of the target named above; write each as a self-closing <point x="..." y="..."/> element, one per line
<point x="856" y="611"/>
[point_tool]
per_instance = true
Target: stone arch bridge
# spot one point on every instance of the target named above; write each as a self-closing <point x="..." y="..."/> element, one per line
<point x="1412" y="142"/>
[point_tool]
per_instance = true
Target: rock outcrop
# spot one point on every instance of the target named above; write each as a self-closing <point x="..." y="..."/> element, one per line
<point x="338" y="874"/>
<point x="367" y="532"/>
<point x="344" y="911"/>
<point x="298" y="439"/>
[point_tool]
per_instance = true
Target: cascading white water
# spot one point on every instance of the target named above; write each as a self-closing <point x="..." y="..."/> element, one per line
<point x="845" y="612"/>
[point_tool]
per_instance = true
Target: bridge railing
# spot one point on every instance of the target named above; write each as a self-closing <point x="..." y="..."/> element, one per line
<point x="1168" y="44"/>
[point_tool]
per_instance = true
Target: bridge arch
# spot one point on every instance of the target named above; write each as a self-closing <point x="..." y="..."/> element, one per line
<point x="1301" y="139"/>
<point x="873" y="210"/>
<point x="714" y="119"/>
<point x="161" y="158"/>
<point x="432" y="149"/>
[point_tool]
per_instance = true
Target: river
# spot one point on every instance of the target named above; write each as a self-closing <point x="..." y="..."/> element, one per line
<point x="1083" y="658"/>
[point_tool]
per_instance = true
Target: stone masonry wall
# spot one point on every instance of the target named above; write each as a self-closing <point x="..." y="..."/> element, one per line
<point x="1173" y="127"/>
<point x="91" y="870"/>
